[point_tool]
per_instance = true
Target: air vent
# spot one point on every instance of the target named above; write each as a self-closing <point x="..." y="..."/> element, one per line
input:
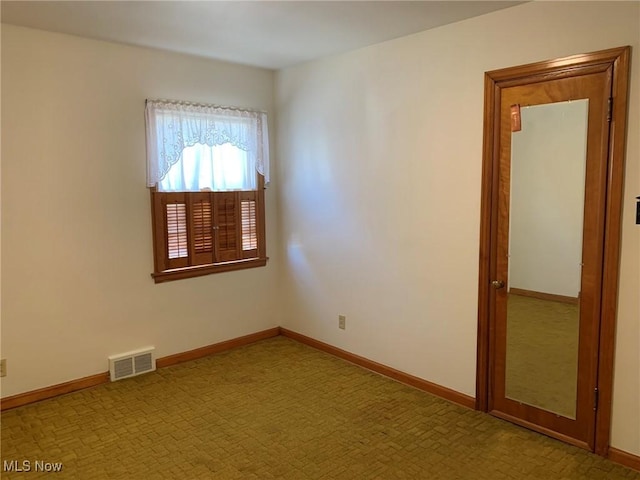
<point x="132" y="363"/>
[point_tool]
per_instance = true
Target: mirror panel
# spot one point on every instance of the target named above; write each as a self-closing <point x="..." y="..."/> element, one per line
<point x="548" y="159"/>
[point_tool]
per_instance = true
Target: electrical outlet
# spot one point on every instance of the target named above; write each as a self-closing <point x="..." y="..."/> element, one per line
<point x="342" y="322"/>
<point x="3" y="367"/>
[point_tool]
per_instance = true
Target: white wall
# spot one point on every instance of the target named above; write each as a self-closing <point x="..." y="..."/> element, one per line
<point x="76" y="223"/>
<point x="547" y="198"/>
<point x="380" y="168"/>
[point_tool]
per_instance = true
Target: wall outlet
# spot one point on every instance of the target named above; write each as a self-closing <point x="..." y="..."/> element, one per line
<point x="342" y="322"/>
<point x="3" y="367"/>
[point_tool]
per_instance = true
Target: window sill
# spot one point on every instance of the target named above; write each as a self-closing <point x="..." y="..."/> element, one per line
<point x="200" y="270"/>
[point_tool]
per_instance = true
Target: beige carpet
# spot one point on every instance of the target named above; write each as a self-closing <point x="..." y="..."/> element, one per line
<point x="542" y="354"/>
<point x="280" y="410"/>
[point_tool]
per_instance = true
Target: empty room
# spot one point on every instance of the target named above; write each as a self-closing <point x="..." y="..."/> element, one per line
<point x="320" y="240"/>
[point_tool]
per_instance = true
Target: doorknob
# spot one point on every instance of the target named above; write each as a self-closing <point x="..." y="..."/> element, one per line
<point x="497" y="284"/>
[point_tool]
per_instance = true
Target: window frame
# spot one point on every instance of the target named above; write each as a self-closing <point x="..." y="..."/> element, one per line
<point x="161" y="271"/>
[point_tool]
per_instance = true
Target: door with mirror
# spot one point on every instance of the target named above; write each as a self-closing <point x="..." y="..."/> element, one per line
<point x="543" y="261"/>
<point x="552" y="177"/>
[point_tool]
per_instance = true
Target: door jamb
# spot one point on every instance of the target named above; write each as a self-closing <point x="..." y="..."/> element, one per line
<point x="618" y="58"/>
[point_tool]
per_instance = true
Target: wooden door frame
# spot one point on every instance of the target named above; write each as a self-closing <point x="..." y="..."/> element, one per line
<point x="575" y="65"/>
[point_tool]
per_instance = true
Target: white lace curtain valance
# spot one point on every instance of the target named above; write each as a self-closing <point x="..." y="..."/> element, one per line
<point x="174" y="126"/>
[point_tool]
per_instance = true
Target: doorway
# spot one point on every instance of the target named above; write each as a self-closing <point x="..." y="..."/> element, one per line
<point x="554" y="136"/>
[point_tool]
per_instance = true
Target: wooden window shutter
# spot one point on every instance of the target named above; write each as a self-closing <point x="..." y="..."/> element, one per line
<point x="197" y="233"/>
<point x="227" y="226"/>
<point x="200" y="228"/>
<point x="249" y="216"/>
<point x="174" y="207"/>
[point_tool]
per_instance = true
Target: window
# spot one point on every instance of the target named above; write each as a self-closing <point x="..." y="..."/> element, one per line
<point x="207" y="167"/>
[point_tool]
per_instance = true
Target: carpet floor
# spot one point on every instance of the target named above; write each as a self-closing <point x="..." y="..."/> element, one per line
<point x="278" y="409"/>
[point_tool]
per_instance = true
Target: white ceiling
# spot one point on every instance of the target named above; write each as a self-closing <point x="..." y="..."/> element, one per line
<point x="270" y="34"/>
